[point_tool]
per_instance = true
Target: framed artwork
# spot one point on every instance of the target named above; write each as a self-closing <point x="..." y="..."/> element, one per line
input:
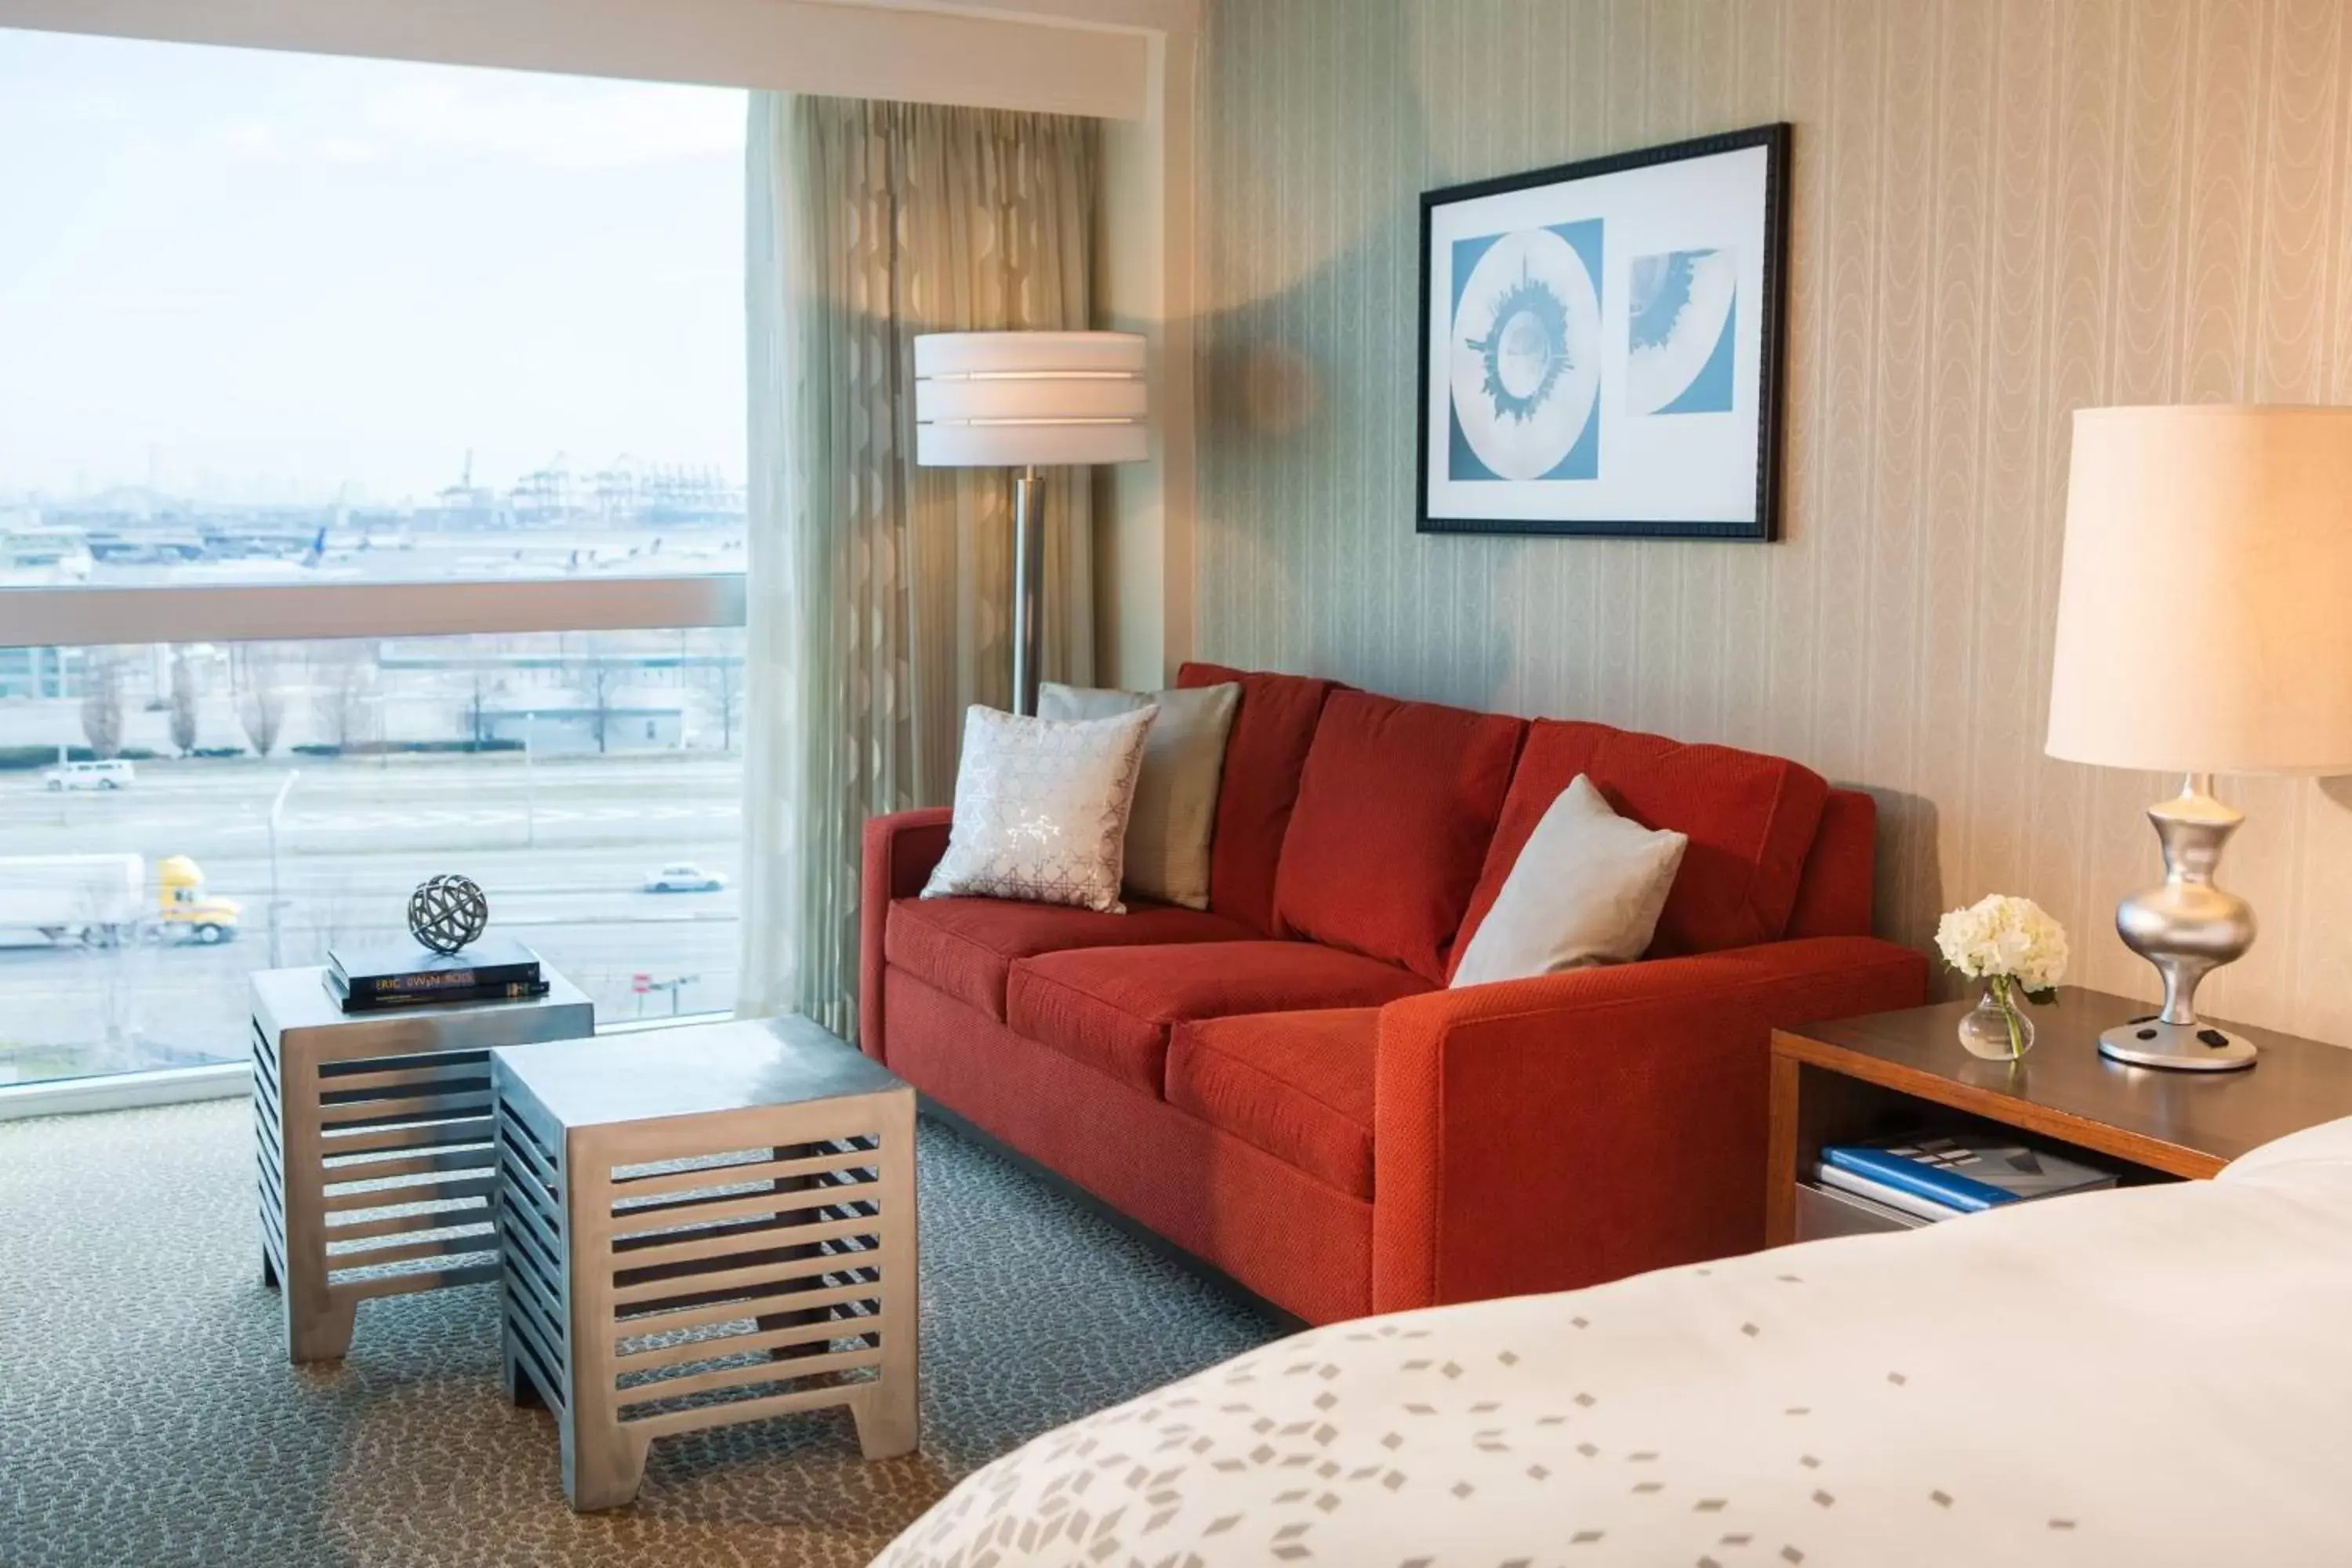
<point x="1601" y="345"/>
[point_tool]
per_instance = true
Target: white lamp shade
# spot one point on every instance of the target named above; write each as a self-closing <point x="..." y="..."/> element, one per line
<point x="1014" y="399"/>
<point x="2205" y="604"/>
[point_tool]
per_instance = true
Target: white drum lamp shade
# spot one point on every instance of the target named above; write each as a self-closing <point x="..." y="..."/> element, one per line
<point x="1029" y="399"/>
<point x="2205" y="605"/>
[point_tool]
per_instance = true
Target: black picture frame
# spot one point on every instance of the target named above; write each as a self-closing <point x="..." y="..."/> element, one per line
<point x="1769" y="364"/>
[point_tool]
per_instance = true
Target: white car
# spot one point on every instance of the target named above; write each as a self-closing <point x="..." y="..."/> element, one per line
<point x="684" y="876"/>
<point x="114" y="774"/>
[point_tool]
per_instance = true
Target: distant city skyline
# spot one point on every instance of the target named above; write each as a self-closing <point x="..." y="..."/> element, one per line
<point x="255" y="278"/>
<point x="213" y="488"/>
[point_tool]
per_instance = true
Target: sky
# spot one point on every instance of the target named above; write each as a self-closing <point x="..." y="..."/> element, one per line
<point x="259" y="276"/>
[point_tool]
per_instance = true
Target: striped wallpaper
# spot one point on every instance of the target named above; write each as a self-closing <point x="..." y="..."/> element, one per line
<point x="2004" y="209"/>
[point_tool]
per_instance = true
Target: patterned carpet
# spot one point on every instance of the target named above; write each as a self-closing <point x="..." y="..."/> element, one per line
<point x="149" y="1419"/>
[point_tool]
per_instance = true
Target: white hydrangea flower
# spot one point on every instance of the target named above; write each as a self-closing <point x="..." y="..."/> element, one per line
<point x="2003" y="935"/>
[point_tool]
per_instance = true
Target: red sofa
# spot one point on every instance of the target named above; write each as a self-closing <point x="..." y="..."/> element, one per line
<point x="1282" y="1085"/>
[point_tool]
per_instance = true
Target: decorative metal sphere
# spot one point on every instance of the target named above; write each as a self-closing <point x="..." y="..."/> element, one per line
<point x="447" y="913"/>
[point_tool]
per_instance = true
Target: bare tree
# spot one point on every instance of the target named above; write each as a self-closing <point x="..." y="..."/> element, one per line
<point x="482" y="683"/>
<point x="474" y="715"/>
<point x="255" y="671"/>
<point x="186" y="699"/>
<point x="723" y="683"/>
<point x="102" y="700"/>
<point x="340" y="696"/>
<point x="599" y="684"/>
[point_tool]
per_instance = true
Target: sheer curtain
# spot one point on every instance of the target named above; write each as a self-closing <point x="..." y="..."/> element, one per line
<point x="881" y="592"/>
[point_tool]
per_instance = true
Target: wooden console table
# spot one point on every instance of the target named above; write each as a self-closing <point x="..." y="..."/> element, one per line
<point x="1891" y="1073"/>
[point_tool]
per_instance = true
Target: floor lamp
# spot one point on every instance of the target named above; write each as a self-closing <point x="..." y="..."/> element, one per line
<point x="1026" y="401"/>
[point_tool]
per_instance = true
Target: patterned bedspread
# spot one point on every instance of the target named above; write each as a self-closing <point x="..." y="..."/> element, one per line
<point x="2154" y="1376"/>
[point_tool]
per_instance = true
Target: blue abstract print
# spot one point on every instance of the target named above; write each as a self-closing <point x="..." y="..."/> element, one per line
<point x="1682" y="335"/>
<point x="1526" y="360"/>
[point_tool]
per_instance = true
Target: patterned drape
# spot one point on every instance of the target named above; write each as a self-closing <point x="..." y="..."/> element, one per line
<point x="881" y="592"/>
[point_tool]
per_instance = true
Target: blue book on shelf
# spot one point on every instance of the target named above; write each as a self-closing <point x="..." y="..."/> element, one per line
<point x="1901" y="1167"/>
<point x="1969" y="1171"/>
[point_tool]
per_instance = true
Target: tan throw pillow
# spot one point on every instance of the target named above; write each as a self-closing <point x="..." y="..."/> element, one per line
<point x="1175" y="816"/>
<point x="1041" y="809"/>
<point x="1587" y="890"/>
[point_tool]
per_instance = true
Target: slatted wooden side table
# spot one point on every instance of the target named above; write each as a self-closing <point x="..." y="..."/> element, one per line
<point x="706" y="1225"/>
<point x="373" y="1134"/>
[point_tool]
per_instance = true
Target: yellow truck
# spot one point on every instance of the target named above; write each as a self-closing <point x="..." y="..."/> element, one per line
<point x="185" y="910"/>
<point x="101" y="900"/>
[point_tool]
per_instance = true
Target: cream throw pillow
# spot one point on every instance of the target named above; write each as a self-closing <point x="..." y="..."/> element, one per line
<point x="1041" y="809"/>
<point x="1587" y="890"/>
<point x="1175" y="817"/>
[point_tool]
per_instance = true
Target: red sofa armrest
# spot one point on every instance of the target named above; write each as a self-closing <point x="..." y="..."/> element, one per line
<point x="900" y="850"/>
<point x="1550" y="1133"/>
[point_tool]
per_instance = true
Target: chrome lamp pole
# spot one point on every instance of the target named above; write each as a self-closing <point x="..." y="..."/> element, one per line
<point x="1028" y="588"/>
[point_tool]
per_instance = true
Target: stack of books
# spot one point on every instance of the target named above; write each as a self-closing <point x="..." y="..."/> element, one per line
<point x="370" y="980"/>
<point x="1941" y="1177"/>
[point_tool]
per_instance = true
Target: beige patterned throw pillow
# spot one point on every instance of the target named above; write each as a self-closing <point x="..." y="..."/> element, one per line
<point x="1041" y="809"/>
<point x="1175" y="818"/>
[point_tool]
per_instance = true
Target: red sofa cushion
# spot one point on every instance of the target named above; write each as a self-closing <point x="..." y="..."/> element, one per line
<point x="1112" y="1007"/>
<point x="965" y="946"/>
<point x="1302" y="1245"/>
<point x="1296" y="1085"/>
<point x="1395" y="807"/>
<point x="1837" y="892"/>
<point x="1273" y="726"/>
<point x="1750" y="819"/>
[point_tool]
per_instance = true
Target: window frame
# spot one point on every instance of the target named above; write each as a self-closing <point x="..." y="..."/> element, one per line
<point x="274" y="612"/>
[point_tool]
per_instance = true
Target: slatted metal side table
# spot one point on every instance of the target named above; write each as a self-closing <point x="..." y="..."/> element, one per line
<point x="705" y="1225"/>
<point x="378" y="1173"/>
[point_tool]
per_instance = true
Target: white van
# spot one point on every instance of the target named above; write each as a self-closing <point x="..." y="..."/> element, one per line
<point x="114" y="773"/>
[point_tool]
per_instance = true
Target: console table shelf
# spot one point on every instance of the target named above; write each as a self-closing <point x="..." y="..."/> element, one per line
<point x="1890" y="1073"/>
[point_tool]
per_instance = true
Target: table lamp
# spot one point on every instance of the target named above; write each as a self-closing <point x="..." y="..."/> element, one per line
<point x="1023" y="400"/>
<point x="2204" y="626"/>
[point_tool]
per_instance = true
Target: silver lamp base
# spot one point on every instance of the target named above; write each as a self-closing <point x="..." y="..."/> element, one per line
<point x="2198" y="1047"/>
<point x="2187" y="927"/>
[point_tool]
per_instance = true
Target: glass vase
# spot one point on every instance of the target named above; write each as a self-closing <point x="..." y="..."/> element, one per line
<point x="1996" y="1028"/>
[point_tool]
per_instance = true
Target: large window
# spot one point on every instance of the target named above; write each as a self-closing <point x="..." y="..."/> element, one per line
<point x="371" y="505"/>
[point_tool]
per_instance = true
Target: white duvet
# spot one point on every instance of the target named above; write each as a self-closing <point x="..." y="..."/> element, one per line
<point x="2157" y="1375"/>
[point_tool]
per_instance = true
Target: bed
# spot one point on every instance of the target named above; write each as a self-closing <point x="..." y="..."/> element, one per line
<point x="2152" y="1375"/>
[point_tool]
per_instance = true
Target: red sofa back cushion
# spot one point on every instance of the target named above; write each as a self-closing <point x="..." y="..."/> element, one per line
<point x="1273" y="727"/>
<point x="1750" y="819"/>
<point x="1835" y="898"/>
<point x="1395" y="808"/>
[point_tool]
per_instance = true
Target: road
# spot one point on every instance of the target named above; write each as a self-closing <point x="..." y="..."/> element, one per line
<point x="562" y="848"/>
